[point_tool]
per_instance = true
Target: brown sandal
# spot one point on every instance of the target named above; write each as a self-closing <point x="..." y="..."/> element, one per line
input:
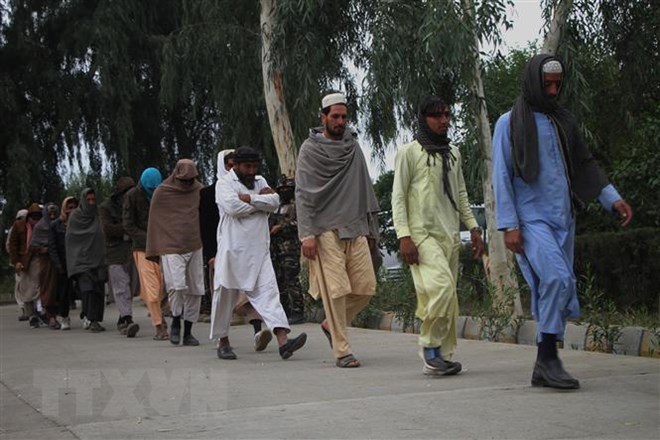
<point x="348" y="361"/>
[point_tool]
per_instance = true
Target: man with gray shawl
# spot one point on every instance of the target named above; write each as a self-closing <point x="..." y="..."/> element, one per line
<point x="85" y="259"/>
<point x="337" y="209"/>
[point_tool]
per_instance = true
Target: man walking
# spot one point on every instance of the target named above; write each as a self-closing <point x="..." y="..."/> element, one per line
<point x="118" y="256"/>
<point x="542" y="173"/>
<point x="243" y="262"/>
<point x="135" y="219"/>
<point x="173" y="238"/>
<point x="85" y="258"/>
<point x="429" y="200"/>
<point x="337" y="209"/>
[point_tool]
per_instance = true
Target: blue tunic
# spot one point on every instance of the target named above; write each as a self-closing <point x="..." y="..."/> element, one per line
<point x="542" y="211"/>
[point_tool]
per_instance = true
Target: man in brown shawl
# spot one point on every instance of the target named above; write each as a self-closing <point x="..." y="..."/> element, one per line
<point x="337" y="209"/>
<point x="173" y="237"/>
<point x="85" y="258"/>
<point x="27" y="271"/>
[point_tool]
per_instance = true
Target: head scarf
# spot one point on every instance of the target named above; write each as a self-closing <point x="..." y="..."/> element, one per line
<point x="21" y="214"/>
<point x="221" y="171"/>
<point x="435" y="144"/>
<point x="64" y="217"/>
<point x="333" y="187"/>
<point x="85" y="246"/>
<point x="586" y="179"/>
<point x="149" y="181"/>
<point x="41" y="231"/>
<point x="174" y="214"/>
<point x="33" y="208"/>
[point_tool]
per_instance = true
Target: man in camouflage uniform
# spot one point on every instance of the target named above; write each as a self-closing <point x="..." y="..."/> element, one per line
<point x="285" y="252"/>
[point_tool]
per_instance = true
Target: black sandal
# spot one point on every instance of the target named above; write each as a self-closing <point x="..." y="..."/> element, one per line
<point x="348" y="361"/>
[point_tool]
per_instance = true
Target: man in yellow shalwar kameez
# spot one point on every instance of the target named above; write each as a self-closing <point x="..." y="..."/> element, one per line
<point x="429" y="200"/>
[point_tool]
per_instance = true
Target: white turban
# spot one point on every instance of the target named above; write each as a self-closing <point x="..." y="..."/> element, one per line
<point x="221" y="171"/>
<point x="332" y="99"/>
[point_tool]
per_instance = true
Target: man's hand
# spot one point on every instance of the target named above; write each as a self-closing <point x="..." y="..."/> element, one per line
<point x="625" y="212"/>
<point x="245" y="198"/>
<point x="409" y="251"/>
<point x="276" y="229"/>
<point x="19" y="267"/>
<point x="513" y="241"/>
<point x="477" y="243"/>
<point x="211" y="262"/>
<point x="309" y="248"/>
<point x="267" y="190"/>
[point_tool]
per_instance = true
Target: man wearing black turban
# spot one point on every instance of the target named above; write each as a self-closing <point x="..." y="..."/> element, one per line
<point x="542" y="173"/>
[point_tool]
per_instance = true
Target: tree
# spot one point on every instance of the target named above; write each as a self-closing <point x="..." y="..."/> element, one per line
<point x="499" y="261"/>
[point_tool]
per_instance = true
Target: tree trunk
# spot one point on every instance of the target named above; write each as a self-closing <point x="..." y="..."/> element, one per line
<point x="559" y="18"/>
<point x="499" y="262"/>
<point x="278" y="116"/>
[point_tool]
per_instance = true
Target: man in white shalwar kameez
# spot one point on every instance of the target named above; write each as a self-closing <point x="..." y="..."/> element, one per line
<point x="243" y="260"/>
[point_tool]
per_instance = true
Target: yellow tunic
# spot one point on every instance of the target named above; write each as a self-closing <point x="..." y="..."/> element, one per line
<point x="421" y="210"/>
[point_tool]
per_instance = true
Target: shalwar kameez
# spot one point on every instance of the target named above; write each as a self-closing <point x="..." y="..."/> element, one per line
<point x="242" y="263"/>
<point x="541" y="172"/>
<point x="422" y="211"/>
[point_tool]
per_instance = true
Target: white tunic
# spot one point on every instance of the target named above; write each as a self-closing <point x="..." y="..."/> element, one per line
<point x="243" y="235"/>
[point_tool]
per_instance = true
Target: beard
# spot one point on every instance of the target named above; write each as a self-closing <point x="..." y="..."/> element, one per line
<point x="247" y="180"/>
<point x="336" y="132"/>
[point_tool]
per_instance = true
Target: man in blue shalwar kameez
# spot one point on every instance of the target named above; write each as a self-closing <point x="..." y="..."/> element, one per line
<point x="542" y="172"/>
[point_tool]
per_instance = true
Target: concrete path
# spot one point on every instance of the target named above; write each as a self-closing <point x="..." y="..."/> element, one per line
<point x="80" y="385"/>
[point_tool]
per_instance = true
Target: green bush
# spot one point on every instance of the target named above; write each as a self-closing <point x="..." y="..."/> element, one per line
<point x="625" y="266"/>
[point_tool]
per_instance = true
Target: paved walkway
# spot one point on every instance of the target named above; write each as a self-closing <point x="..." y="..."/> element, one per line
<point x="77" y="384"/>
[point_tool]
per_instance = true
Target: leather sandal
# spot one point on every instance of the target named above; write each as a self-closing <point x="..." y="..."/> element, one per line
<point x="348" y="361"/>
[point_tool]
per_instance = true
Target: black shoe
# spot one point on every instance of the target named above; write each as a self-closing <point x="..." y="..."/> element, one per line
<point x="296" y="318"/>
<point x="552" y="374"/>
<point x="23" y="318"/>
<point x="226" y="352"/>
<point x="96" y="327"/>
<point x="132" y="329"/>
<point x="190" y="340"/>
<point x="44" y="319"/>
<point x="34" y="322"/>
<point x="175" y="335"/>
<point x="286" y="350"/>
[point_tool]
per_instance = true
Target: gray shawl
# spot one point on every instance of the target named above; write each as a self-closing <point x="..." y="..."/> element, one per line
<point x="41" y="231"/>
<point x="85" y="246"/>
<point x="333" y="188"/>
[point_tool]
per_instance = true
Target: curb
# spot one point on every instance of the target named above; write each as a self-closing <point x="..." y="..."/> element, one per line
<point x="633" y="341"/>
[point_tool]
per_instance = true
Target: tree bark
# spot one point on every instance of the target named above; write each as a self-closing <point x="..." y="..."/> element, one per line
<point x="499" y="262"/>
<point x="559" y="18"/>
<point x="278" y="116"/>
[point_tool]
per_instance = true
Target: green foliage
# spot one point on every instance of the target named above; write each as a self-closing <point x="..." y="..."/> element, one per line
<point x="393" y="295"/>
<point x="383" y="190"/>
<point x="625" y="265"/>
<point x="601" y="315"/>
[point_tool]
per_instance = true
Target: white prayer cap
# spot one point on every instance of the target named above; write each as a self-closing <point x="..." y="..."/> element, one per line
<point x="552" y="66"/>
<point x="22" y="213"/>
<point x="332" y="99"/>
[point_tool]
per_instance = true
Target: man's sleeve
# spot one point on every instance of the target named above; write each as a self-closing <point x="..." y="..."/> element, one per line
<point x="304" y="209"/>
<point x="608" y="196"/>
<point x="128" y="220"/>
<point x="264" y="202"/>
<point x="229" y="203"/>
<point x="110" y="229"/>
<point x="505" y="206"/>
<point x="465" y="213"/>
<point x="400" y="188"/>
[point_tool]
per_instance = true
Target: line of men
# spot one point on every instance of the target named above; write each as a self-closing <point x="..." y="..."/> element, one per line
<point x="543" y="173"/>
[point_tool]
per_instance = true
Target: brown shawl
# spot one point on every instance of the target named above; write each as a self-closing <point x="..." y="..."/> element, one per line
<point x="174" y="214"/>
